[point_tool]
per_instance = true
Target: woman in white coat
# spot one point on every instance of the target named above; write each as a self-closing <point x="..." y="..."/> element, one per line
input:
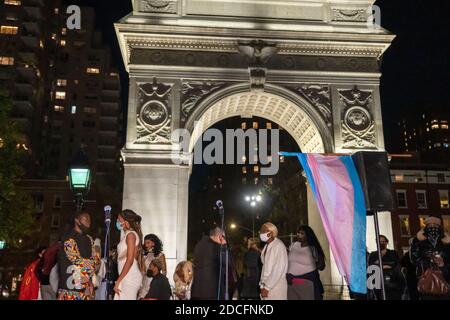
<point x="274" y="257"/>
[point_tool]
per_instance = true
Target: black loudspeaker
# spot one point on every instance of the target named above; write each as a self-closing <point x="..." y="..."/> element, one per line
<point x="373" y="171"/>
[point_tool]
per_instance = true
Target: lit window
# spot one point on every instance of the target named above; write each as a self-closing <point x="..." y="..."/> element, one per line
<point x="443" y="199"/>
<point x="63" y="43"/>
<point x="53" y="36"/>
<point x="6" y="61"/>
<point x="13" y="2"/>
<point x="422" y="221"/>
<point x="9" y="30"/>
<point x="446" y="223"/>
<point x="401" y="199"/>
<point x="243" y="125"/>
<point x="90" y="110"/>
<point x="281" y="159"/>
<point x="268" y="125"/>
<point x="244" y="170"/>
<point x="61" y="82"/>
<point x="60" y="95"/>
<point x="41" y="44"/>
<point x="434" y="126"/>
<point x="444" y="126"/>
<point x="404" y="226"/>
<point x="421" y="199"/>
<point x="64" y="31"/>
<point x="93" y="70"/>
<point x="428" y="129"/>
<point x="399" y="177"/>
<point x="270" y="181"/>
<point x="56" y="10"/>
<point x="255" y="169"/>
<point x="59" y="109"/>
<point x="75" y="81"/>
<point x="74" y="109"/>
<point x="255" y="125"/>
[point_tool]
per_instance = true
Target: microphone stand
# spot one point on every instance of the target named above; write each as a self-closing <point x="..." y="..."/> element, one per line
<point x="106" y="254"/>
<point x="222" y="246"/>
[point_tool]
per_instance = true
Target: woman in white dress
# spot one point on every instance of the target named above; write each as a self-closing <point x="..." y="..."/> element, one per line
<point x="129" y="256"/>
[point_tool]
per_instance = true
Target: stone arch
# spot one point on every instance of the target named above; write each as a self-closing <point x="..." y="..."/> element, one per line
<point x="280" y="105"/>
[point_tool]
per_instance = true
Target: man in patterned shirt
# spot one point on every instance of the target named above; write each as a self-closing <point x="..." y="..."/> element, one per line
<point x="78" y="261"/>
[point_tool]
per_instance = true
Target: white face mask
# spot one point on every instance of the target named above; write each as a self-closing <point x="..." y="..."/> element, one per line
<point x="264" y="237"/>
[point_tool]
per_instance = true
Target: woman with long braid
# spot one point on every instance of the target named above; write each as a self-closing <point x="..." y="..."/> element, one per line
<point x="130" y="259"/>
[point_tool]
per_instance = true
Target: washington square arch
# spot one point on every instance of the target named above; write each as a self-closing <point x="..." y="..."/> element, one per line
<point x="311" y="66"/>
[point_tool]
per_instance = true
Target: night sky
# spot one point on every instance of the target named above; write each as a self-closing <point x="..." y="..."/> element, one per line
<point x="416" y="68"/>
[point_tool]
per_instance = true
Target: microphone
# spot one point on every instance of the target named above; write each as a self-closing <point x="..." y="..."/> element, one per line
<point x="219" y="205"/>
<point x="107" y="210"/>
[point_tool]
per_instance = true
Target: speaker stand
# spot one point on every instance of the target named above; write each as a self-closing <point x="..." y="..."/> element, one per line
<point x="380" y="258"/>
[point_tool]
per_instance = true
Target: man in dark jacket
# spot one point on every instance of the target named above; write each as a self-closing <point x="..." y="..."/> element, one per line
<point x="431" y="248"/>
<point x="209" y="255"/>
<point x="160" y="286"/>
<point x="393" y="279"/>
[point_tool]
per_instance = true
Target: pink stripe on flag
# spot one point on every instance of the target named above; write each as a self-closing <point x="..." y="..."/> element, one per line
<point x="335" y="200"/>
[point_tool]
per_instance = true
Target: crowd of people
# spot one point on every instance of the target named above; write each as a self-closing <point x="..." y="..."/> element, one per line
<point x="72" y="269"/>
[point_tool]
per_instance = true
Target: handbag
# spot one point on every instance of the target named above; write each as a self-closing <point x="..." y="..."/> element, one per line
<point x="432" y="283"/>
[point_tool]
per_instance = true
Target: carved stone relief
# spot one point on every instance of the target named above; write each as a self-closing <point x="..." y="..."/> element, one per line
<point x="153" y="116"/>
<point x="358" y="15"/>
<point x="358" y="125"/>
<point x="192" y="92"/>
<point x="159" y="6"/>
<point x="319" y="96"/>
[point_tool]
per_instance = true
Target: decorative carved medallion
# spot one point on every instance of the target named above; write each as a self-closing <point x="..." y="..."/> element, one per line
<point x="319" y="96"/>
<point x="159" y="6"/>
<point x="354" y="15"/>
<point x="192" y="92"/>
<point x="153" y="118"/>
<point x="358" y="126"/>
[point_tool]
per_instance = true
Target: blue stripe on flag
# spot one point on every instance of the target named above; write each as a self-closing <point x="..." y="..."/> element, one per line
<point x="358" y="278"/>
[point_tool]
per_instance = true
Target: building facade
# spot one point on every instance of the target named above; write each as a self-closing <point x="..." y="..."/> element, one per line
<point x="419" y="191"/>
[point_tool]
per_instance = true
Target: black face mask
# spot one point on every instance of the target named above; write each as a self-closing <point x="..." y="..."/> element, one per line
<point x="83" y="228"/>
<point x="433" y="233"/>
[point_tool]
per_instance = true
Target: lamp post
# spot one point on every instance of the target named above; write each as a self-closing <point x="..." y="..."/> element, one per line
<point x="79" y="178"/>
<point x="253" y="200"/>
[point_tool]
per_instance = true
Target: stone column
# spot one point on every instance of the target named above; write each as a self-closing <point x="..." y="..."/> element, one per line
<point x="159" y="193"/>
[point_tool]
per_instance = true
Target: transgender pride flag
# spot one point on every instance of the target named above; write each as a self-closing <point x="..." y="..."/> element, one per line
<point x="340" y="199"/>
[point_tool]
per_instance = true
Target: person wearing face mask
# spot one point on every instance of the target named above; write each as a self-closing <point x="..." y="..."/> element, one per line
<point x="129" y="256"/>
<point x="273" y="285"/>
<point x="306" y="258"/>
<point x="153" y="249"/>
<point x="160" y="286"/>
<point x="78" y="261"/>
<point x="394" y="282"/>
<point x="431" y="249"/>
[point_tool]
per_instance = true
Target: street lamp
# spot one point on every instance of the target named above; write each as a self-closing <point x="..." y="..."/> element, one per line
<point x="235" y="226"/>
<point x="79" y="178"/>
<point x="253" y="200"/>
